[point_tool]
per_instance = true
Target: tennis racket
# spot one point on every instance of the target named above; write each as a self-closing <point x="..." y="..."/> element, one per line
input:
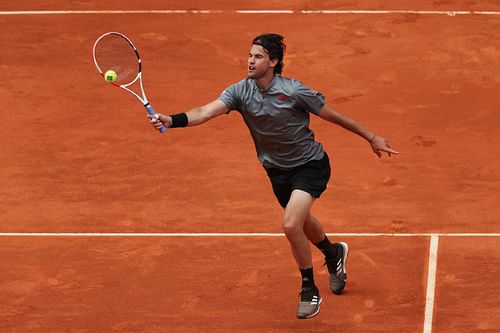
<point x="116" y="52"/>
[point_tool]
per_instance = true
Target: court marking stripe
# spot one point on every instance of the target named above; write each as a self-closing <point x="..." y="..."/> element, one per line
<point x="254" y="11"/>
<point x="242" y="234"/>
<point x="431" y="283"/>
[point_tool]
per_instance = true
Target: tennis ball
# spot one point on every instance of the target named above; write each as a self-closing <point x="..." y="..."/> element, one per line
<point x="110" y="76"/>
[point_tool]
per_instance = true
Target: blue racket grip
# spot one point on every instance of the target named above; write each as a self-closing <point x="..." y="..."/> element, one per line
<point x="153" y="114"/>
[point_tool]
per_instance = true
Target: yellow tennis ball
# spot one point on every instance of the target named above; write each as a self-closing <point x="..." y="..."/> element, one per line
<point x="110" y="76"/>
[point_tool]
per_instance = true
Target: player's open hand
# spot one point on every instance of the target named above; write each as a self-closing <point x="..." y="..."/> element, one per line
<point x="380" y="145"/>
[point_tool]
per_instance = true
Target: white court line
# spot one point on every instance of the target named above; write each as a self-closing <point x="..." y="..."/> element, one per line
<point x="431" y="284"/>
<point x="251" y="11"/>
<point x="229" y="234"/>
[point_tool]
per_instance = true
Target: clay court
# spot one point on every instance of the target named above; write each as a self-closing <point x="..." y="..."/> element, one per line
<point x="108" y="226"/>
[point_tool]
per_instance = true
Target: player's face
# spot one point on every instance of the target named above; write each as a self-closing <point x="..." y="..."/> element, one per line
<point x="259" y="63"/>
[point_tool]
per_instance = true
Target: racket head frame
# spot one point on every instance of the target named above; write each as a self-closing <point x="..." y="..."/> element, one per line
<point x="138" y="77"/>
<point x="143" y="98"/>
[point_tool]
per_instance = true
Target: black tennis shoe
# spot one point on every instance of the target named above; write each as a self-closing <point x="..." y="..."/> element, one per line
<point x="337" y="268"/>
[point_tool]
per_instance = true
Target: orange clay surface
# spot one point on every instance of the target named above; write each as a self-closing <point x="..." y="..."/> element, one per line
<point x="78" y="155"/>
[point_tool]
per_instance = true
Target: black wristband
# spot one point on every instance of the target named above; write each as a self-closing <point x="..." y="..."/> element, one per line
<point x="179" y="120"/>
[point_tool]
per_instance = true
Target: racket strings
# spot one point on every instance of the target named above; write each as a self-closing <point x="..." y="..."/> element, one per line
<point x="113" y="52"/>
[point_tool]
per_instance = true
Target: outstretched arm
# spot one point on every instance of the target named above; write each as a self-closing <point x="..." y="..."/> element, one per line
<point x="377" y="143"/>
<point x="195" y="116"/>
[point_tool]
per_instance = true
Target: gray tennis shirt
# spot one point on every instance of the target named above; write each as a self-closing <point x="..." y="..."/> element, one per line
<point x="278" y="119"/>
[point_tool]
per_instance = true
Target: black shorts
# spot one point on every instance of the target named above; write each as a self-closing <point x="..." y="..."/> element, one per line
<point x="311" y="177"/>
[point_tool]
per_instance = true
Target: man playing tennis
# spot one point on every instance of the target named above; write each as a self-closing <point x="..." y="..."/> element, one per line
<point x="276" y="110"/>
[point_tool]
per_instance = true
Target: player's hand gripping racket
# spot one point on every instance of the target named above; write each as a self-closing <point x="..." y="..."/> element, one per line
<point x="116" y="55"/>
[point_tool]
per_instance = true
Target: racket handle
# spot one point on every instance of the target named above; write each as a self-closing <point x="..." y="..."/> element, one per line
<point x="153" y="113"/>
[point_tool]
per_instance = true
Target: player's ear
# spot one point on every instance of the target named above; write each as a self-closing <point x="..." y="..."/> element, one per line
<point x="273" y="62"/>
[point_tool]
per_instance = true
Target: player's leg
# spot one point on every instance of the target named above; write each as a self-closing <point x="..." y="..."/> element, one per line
<point x="296" y="213"/>
<point x="313" y="229"/>
<point x="335" y="254"/>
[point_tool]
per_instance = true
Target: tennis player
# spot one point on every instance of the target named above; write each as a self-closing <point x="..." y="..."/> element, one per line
<point x="277" y="111"/>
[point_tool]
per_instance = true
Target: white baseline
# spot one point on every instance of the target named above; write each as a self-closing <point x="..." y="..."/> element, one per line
<point x="231" y="234"/>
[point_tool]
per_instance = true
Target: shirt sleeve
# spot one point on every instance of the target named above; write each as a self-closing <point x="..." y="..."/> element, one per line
<point x="230" y="97"/>
<point x="309" y="99"/>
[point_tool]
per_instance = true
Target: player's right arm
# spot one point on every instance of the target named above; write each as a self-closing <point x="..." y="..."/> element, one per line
<point x="193" y="117"/>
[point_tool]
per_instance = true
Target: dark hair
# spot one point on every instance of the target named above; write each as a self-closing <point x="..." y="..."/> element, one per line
<point x="274" y="46"/>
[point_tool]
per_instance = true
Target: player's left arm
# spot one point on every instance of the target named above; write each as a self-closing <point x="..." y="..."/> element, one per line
<point x="377" y="143"/>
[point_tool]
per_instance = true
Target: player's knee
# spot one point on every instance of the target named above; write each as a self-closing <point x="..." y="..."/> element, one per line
<point x="292" y="227"/>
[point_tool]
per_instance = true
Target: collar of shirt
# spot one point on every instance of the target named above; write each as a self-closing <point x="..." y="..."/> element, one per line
<point x="269" y="87"/>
